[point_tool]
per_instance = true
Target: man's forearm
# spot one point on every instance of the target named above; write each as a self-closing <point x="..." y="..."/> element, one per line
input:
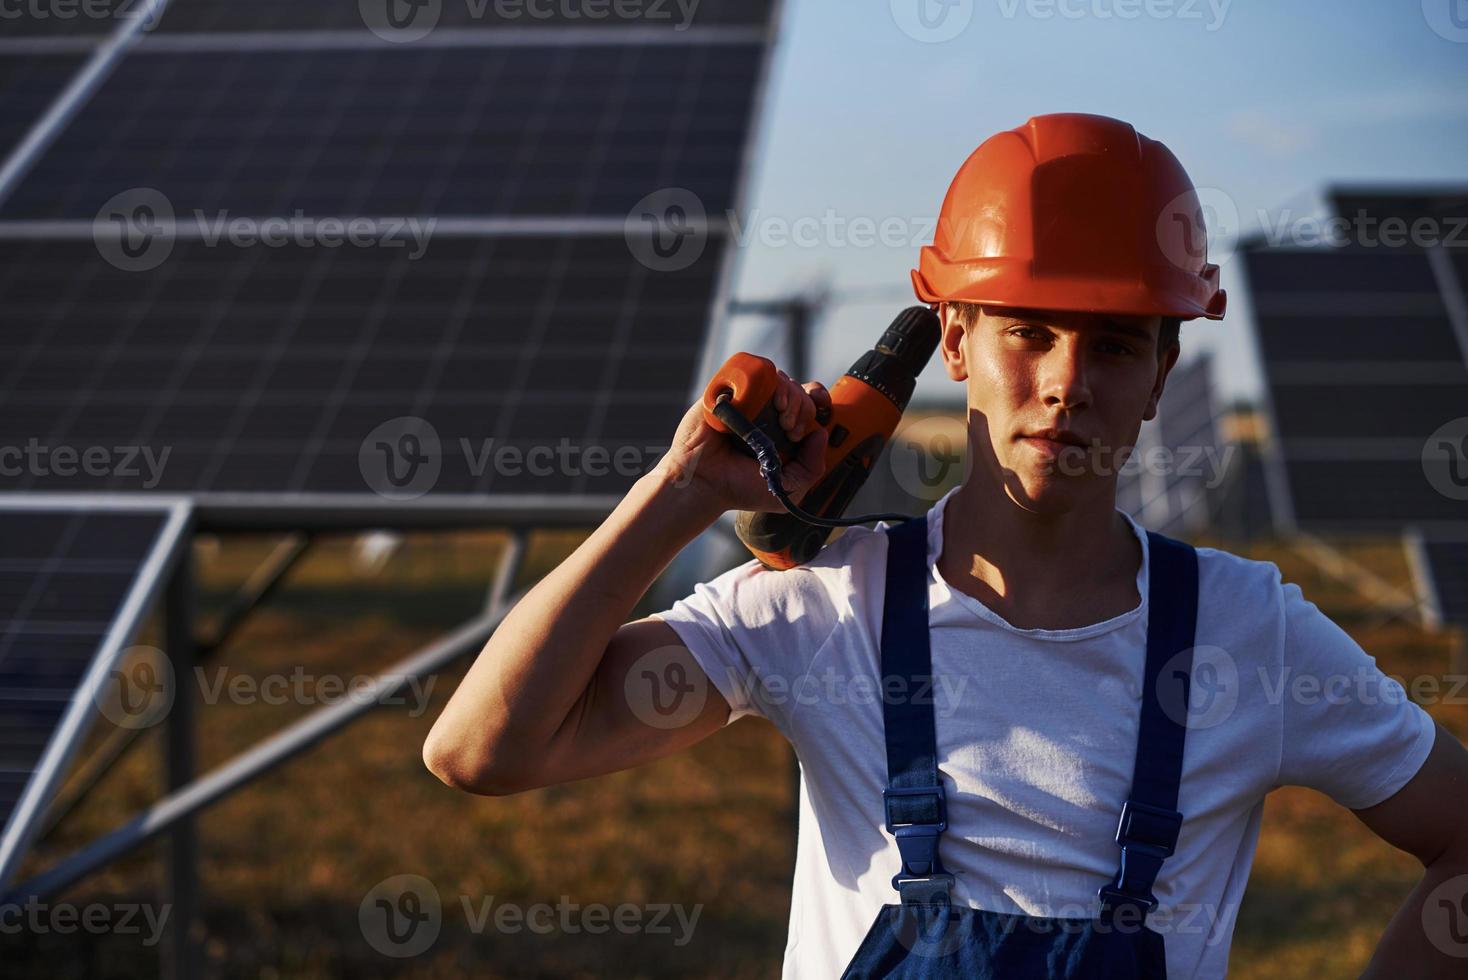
<point x="1419" y="943"/>
<point x="546" y="651"/>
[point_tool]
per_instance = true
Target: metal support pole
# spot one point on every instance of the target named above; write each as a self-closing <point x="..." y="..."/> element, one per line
<point x="181" y="952"/>
<point x="285" y="744"/>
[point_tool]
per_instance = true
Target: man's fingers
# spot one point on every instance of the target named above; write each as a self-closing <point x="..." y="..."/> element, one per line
<point x="809" y="466"/>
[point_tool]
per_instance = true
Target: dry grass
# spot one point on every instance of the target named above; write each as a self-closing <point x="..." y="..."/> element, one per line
<point x="286" y="862"/>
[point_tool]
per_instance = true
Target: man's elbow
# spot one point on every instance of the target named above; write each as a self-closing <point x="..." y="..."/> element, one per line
<point x="471" y="770"/>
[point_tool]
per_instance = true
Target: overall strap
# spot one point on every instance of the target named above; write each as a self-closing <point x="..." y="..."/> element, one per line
<point x="1150" y="821"/>
<point x="916" y="810"/>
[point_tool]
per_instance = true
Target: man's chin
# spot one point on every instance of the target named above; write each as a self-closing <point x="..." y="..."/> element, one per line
<point x="1047" y="494"/>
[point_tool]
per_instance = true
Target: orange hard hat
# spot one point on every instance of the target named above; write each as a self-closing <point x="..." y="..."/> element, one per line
<point x="1072" y="212"/>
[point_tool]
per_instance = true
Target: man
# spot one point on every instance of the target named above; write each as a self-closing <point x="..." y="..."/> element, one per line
<point x="1034" y="739"/>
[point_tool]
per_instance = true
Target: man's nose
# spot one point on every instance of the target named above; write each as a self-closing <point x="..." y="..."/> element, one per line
<point x="1064" y="381"/>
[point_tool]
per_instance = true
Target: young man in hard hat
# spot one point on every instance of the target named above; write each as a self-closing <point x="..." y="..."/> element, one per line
<point x="1034" y="739"/>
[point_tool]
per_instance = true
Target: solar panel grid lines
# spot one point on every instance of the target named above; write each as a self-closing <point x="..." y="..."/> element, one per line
<point x="292" y="131"/>
<point x="263" y="374"/>
<point x="1364" y="361"/>
<point x="28" y="84"/>
<point x="76" y="578"/>
<point x="292" y="16"/>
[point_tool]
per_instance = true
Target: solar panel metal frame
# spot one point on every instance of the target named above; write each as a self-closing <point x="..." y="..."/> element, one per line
<point x="1282" y="498"/>
<point x="23" y="821"/>
<point x="312" y="511"/>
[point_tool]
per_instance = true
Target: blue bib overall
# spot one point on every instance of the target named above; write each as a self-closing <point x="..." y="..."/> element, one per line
<point x="926" y="935"/>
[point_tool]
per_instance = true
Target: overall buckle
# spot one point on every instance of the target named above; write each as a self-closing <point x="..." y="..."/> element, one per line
<point x="917" y="842"/>
<point x="1148" y="836"/>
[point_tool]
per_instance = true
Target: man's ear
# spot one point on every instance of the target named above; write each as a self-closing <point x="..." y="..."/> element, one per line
<point x="1164" y="366"/>
<point x="955" y="355"/>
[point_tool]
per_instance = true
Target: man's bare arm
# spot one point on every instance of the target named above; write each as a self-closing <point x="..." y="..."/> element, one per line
<point x="547" y="699"/>
<point x="1427" y="818"/>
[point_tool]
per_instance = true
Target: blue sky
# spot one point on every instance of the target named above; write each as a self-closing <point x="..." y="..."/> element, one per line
<point x="1266" y="102"/>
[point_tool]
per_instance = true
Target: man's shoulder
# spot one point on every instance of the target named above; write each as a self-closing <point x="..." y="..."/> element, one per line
<point x="1240" y="582"/>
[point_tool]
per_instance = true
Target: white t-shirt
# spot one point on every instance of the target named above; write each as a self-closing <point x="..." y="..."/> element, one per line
<point x="1037" y="737"/>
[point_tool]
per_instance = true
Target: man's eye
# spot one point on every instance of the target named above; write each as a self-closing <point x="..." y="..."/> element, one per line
<point x="1113" y="347"/>
<point x="1029" y="333"/>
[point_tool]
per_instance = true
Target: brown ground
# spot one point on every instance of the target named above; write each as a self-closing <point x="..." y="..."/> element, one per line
<point x="287" y="862"/>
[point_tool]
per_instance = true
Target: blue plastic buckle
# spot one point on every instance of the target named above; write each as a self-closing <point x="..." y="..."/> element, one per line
<point x="918" y="842"/>
<point x="1147" y="835"/>
<point x="1148" y="829"/>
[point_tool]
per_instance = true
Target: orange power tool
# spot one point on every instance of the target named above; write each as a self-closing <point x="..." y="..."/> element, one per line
<point x="866" y="405"/>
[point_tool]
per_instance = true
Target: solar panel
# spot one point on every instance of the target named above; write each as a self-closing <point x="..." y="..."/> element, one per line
<point x="269" y="375"/>
<point x="1447" y="564"/>
<point x="530" y="130"/>
<point x="28" y="83"/>
<point x="1177" y="461"/>
<point x="512" y="303"/>
<point x="75" y="579"/>
<point x="296" y="15"/>
<point x="1363" y="363"/>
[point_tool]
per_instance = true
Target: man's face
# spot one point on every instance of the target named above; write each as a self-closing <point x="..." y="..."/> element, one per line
<point x="1055" y="399"/>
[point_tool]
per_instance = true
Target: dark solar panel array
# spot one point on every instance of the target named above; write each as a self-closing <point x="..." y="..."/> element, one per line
<point x="522" y="130"/>
<point x="64" y="575"/>
<point x="28" y="84"/>
<point x="45" y="19"/>
<point x="265" y="369"/>
<point x="268" y="369"/>
<point x="1170" y="493"/>
<point x="295" y="15"/>
<point x="1448" y="564"/>
<point x="1363" y="365"/>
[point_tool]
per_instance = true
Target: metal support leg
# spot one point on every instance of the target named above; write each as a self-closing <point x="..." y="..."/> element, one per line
<point x="181" y="950"/>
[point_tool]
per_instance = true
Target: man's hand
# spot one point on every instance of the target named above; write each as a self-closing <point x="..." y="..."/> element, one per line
<point x="709" y="462"/>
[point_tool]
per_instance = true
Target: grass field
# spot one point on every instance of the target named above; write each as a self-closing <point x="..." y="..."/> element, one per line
<point x="287" y="862"/>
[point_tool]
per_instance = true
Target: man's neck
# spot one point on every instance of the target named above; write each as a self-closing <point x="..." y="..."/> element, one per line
<point x="1039" y="571"/>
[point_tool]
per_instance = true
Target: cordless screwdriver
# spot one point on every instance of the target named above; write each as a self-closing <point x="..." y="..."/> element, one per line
<point x="867" y="402"/>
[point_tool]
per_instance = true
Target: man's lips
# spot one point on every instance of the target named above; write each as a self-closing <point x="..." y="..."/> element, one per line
<point x="1054" y="440"/>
